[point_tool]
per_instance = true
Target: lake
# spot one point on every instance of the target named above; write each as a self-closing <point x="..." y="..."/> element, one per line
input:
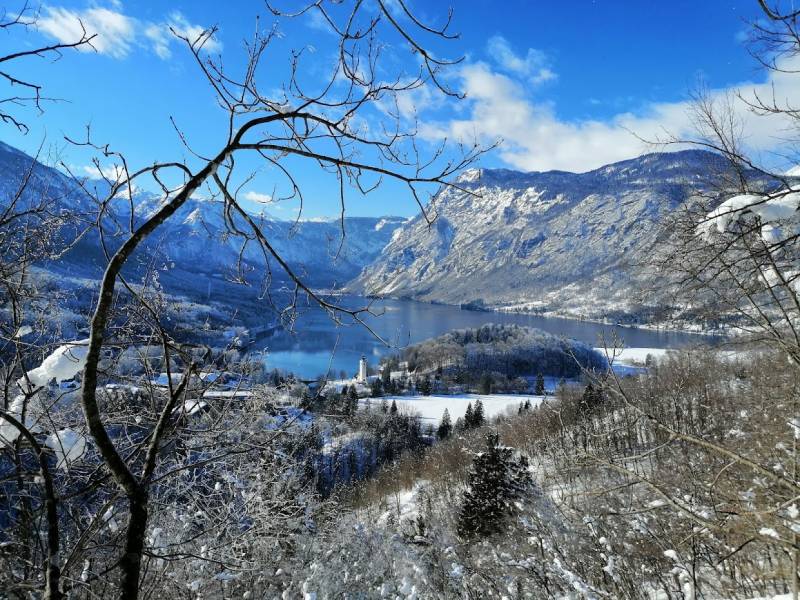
<point x="317" y="344"/>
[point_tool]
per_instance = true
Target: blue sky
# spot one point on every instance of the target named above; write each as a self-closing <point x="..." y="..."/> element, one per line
<point x="562" y="83"/>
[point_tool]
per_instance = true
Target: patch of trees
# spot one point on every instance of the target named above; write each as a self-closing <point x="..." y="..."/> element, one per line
<point x="375" y="438"/>
<point x="493" y="356"/>
<point x="672" y="483"/>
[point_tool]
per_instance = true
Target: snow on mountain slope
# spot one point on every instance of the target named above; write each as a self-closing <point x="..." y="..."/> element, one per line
<point x="523" y="237"/>
<point x="315" y="249"/>
<point x="196" y="239"/>
<point x="45" y="183"/>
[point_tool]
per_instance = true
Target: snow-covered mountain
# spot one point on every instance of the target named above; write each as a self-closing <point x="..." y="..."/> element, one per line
<point x="326" y="253"/>
<point x="539" y="238"/>
<point x="196" y="239"/>
<point x="553" y="241"/>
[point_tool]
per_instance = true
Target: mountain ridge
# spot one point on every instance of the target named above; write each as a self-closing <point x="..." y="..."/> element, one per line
<point x="196" y="239"/>
<point x="511" y="239"/>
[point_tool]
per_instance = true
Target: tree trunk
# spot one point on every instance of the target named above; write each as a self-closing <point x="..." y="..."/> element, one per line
<point x="131" y="561"/>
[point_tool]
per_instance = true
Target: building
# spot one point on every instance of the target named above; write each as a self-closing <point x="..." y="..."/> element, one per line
<point x="362" y="370"/>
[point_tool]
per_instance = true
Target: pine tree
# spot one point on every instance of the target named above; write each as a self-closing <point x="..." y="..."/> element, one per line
<point x="445" y="426"/>
<point x="393" y="409"/>
<point x="376" y="388"/>
<point x="352" y="466"/>
<point x="539" y="385"/>
<point x="497" y="481"/>
<point x="351" y="401"/>
<point x="425" y="386"/>
<point x="469" y="417"/>
<point x="384" y="406"/>
<point x="590" y="398"/>
<point x="485" y="384"/>
<point x="478" y="418"/>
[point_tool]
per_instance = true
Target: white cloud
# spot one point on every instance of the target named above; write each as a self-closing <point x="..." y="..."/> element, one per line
<point x="536" y="138"/>
<point x="117" y="34"/>
<point x="181" y="26"/>
<point x="112" y="172"/>
<point x="160" y="38"/>
<point x="316" y="20"/>
<point x="258" y="197"/>
<point x="534" y="65"/>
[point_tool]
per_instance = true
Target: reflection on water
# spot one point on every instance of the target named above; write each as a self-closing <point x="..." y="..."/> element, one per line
<point x="318" y="344"/>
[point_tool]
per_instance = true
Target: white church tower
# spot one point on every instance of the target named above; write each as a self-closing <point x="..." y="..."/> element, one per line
<point x="362" y="370"/>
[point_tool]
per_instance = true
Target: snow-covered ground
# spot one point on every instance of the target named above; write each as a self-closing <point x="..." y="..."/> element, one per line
<point x="431" y="407"/>
<point x="403" y="504"/>
<point x="635" y="357"/>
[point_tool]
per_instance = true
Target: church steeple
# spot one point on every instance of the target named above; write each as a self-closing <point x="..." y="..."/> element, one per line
<point x="362" y="370"/>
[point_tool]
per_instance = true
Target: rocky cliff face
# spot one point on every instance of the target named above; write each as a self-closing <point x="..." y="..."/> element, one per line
<point x="524" y="239"/>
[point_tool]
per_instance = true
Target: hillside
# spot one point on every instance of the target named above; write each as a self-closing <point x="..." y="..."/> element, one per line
<point x="196" y="240"/>
<point x="545" y="240"/>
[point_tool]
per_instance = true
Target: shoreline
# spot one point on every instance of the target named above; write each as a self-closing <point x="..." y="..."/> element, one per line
<point x="555" y="314"/>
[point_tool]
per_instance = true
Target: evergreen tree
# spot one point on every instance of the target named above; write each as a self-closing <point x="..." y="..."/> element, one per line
<point x="539" y="391"/>
<point x="527" y="405"/>
<point x="386" y="375"/>
<point x="425" y="386"/>
<point x="485" y="384"/>
<point x="352" y="466"/>
<point x="376" y="388"/>
<point x="351" y="401"/>
<point x="384" y="406"/>
<point x="275" y="378"/>
<point x="478" y="418"/>
<point x="497" y="482"/>
<point x="393" y="409"/>
<point x="590" y="398"/>
<point x="445" y="426"/>
<point x="469" y="417"/>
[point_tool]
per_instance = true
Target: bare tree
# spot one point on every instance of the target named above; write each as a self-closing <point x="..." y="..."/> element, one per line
<point x="349" y="126"/>
<point x="30" y="93"/>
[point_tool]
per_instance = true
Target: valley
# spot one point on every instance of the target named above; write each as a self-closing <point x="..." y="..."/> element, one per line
<point x="346" y="300"/>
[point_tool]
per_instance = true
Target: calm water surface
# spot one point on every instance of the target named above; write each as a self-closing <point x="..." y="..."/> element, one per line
<point x="318" y="344"/>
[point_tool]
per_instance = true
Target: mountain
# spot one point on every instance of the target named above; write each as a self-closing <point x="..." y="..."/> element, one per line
<point x="326" y="253"/>
<point x="551" y="242"/>
<point x="196" y="240"/>
<point x="557" y="241"/>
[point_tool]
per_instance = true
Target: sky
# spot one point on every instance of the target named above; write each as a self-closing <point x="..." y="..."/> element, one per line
<point x="563" y="85"/>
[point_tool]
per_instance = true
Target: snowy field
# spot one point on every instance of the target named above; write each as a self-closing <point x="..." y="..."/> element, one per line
<point x="632" y="356"/>
<point x="430" y="408"/>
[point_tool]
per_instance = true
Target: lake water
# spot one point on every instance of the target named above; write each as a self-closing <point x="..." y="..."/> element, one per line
<point x="318" y="344"/>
